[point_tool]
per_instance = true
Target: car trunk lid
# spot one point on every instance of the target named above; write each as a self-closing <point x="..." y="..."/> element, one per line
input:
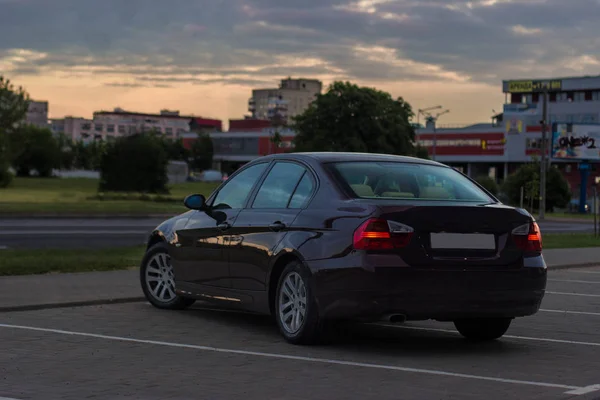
<point x="459" y="234"/>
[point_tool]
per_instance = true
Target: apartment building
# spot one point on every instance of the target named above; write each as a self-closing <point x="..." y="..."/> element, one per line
<point x="37" y="114"/>
<point x="291" y="98"/>
<point x="108" y="125"/>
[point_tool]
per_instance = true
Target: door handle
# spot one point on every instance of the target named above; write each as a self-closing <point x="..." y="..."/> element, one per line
<point x="277" y="226"/>
<point x="224" y="226"/>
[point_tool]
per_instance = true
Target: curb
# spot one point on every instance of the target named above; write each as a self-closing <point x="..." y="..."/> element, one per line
<point x="570" y="266"/>
<point x="568" y="220"/>
<point x="34" y="307"/>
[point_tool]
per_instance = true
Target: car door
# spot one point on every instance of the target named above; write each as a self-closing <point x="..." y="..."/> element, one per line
<point x="200" y="256"/>
<point x="261" y="226"/>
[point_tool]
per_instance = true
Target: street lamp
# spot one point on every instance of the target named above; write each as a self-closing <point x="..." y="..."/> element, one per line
<point x="434" y="120"/>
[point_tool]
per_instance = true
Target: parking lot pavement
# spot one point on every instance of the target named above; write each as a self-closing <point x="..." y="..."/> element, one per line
<point x="48" y="290"/>
<point x="136" y="351"/>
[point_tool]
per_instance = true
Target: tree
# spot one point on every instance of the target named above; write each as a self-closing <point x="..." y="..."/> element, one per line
<point x="202" y="152"/>
<point x="358" y="119"/>
<point x="136" y="163"/>
<point x="34" y="148"/>
<point x="176" y="150"/>
<point x="488" y="183"/>
<point x="528" y="177"/>
<point x="87" y="156"/>
<point x="14" y="103"/>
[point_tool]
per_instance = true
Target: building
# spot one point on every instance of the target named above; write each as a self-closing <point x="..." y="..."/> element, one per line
<point x="75" y="128"/>
<point x="233" y="149"/>
<point x="112" y="124"/>
<point x="514" y="137"/>
<point x="37" y="114"/>
<point x="291" y="98"/>
<point x="249" y="125"/>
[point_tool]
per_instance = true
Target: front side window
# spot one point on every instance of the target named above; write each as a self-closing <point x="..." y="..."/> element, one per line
<point x="279" y="185"/>
<point x="398" y="180"/>
<point x="235" y="192"/>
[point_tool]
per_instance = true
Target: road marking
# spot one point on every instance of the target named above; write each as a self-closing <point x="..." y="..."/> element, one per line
<point x="573" y="281"/>
<point x="534" y="339"/>
<point x="571" y="312"/>
<point x="70" y="232"/>
<point x="3" y="248"/>
<point x="570" y="388"/>
<point x="584" y="390"/>
<point x="10" y="398"/>
<point x="574" y="294"/>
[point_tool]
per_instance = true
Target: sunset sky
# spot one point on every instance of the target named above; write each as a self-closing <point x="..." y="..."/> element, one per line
<point x="203" y="57"/>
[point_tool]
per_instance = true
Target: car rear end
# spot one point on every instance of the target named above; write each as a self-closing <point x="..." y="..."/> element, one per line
<point x="419" y="256"/>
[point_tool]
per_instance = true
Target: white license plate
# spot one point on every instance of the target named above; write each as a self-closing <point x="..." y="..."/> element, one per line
<point x="463" y="241"/>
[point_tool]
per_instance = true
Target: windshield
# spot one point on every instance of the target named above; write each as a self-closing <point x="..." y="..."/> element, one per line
<point x="398" y="180"/>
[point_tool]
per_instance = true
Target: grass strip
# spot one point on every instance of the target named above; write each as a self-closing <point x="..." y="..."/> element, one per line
<point x="43" y="261"/>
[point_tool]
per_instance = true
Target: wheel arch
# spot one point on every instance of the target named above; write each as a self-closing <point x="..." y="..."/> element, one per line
<point x="154" y="238"/>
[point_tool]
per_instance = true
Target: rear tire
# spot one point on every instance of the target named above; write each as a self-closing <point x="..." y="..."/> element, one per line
<point x="483" y="329"/>
<point x="296" y="310"/>
<point x="158" y="281"/>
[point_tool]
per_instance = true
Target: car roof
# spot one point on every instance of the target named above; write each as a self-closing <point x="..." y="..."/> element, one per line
<point x="326" y="157"/>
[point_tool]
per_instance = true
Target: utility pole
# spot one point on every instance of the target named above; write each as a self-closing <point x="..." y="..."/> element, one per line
<point x="543" y="165"/>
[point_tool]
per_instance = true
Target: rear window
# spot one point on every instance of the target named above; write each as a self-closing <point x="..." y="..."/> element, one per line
<point x="397" y="180"/>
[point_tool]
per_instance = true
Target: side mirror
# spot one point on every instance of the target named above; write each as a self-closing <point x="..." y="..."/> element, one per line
<point x="195" y="202"/>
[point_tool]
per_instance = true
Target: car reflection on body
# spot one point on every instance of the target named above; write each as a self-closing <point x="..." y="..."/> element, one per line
<point x="313" y="238"/>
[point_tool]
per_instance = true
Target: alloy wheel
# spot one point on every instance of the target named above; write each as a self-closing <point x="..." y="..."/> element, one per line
<point x="292" y="303"/>
<point x="160" y="278"/>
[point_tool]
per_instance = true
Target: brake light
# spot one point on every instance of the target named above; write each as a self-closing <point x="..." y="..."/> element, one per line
<point x="528" y="237"/>
<point x="379" y="234"/>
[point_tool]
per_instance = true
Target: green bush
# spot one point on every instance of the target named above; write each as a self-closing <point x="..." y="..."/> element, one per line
<point x="136" y="163"/>
<point x="488" y="183"/>
<point x="34" y="148"/>
<point x="6" y="176"/>
<point x="527" y="176"/>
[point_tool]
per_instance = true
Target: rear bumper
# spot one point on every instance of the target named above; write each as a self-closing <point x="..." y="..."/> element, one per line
<point x="443" y="294"/>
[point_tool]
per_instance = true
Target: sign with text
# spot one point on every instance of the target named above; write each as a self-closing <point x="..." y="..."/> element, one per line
<point x="533" y="86"/>
<point x="576" y="141"/>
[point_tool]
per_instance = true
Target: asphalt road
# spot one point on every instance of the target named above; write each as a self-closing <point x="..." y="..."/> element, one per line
<point x="134" y="351"/>
<point x="75" y="233"/>
<point x="115" y="232"/>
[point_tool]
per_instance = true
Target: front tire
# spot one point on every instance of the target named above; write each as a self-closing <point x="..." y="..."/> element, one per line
<point x="158" y="280"/>
<point x="296" y="310"/>
<point x="483" y="329"/>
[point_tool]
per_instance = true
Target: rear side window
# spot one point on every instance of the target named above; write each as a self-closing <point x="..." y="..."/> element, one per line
<point x="398" y="180"/>
<point x="303" y="192"/>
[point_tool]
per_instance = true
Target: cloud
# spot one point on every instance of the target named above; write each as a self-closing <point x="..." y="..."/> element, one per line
<point x="252" y="42"/>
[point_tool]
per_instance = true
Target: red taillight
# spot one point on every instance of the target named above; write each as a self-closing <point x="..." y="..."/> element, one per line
<point x="528" y="237"/>
<point x="379" y="234"/>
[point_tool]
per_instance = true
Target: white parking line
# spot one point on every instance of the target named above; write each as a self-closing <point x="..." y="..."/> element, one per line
<point x="571" y="312"/>
<point x="573" y="281"/>
<point x="569" y="388"/>
<point x="573" y="294"/>
<point x="7" y="398"/>
<point x="533" y="339"/>
<point x="71" y="232"/>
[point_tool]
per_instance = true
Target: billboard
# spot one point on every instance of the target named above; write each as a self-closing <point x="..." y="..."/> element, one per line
<point x="576" y="141"/>
<point x="534" y="86"/>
